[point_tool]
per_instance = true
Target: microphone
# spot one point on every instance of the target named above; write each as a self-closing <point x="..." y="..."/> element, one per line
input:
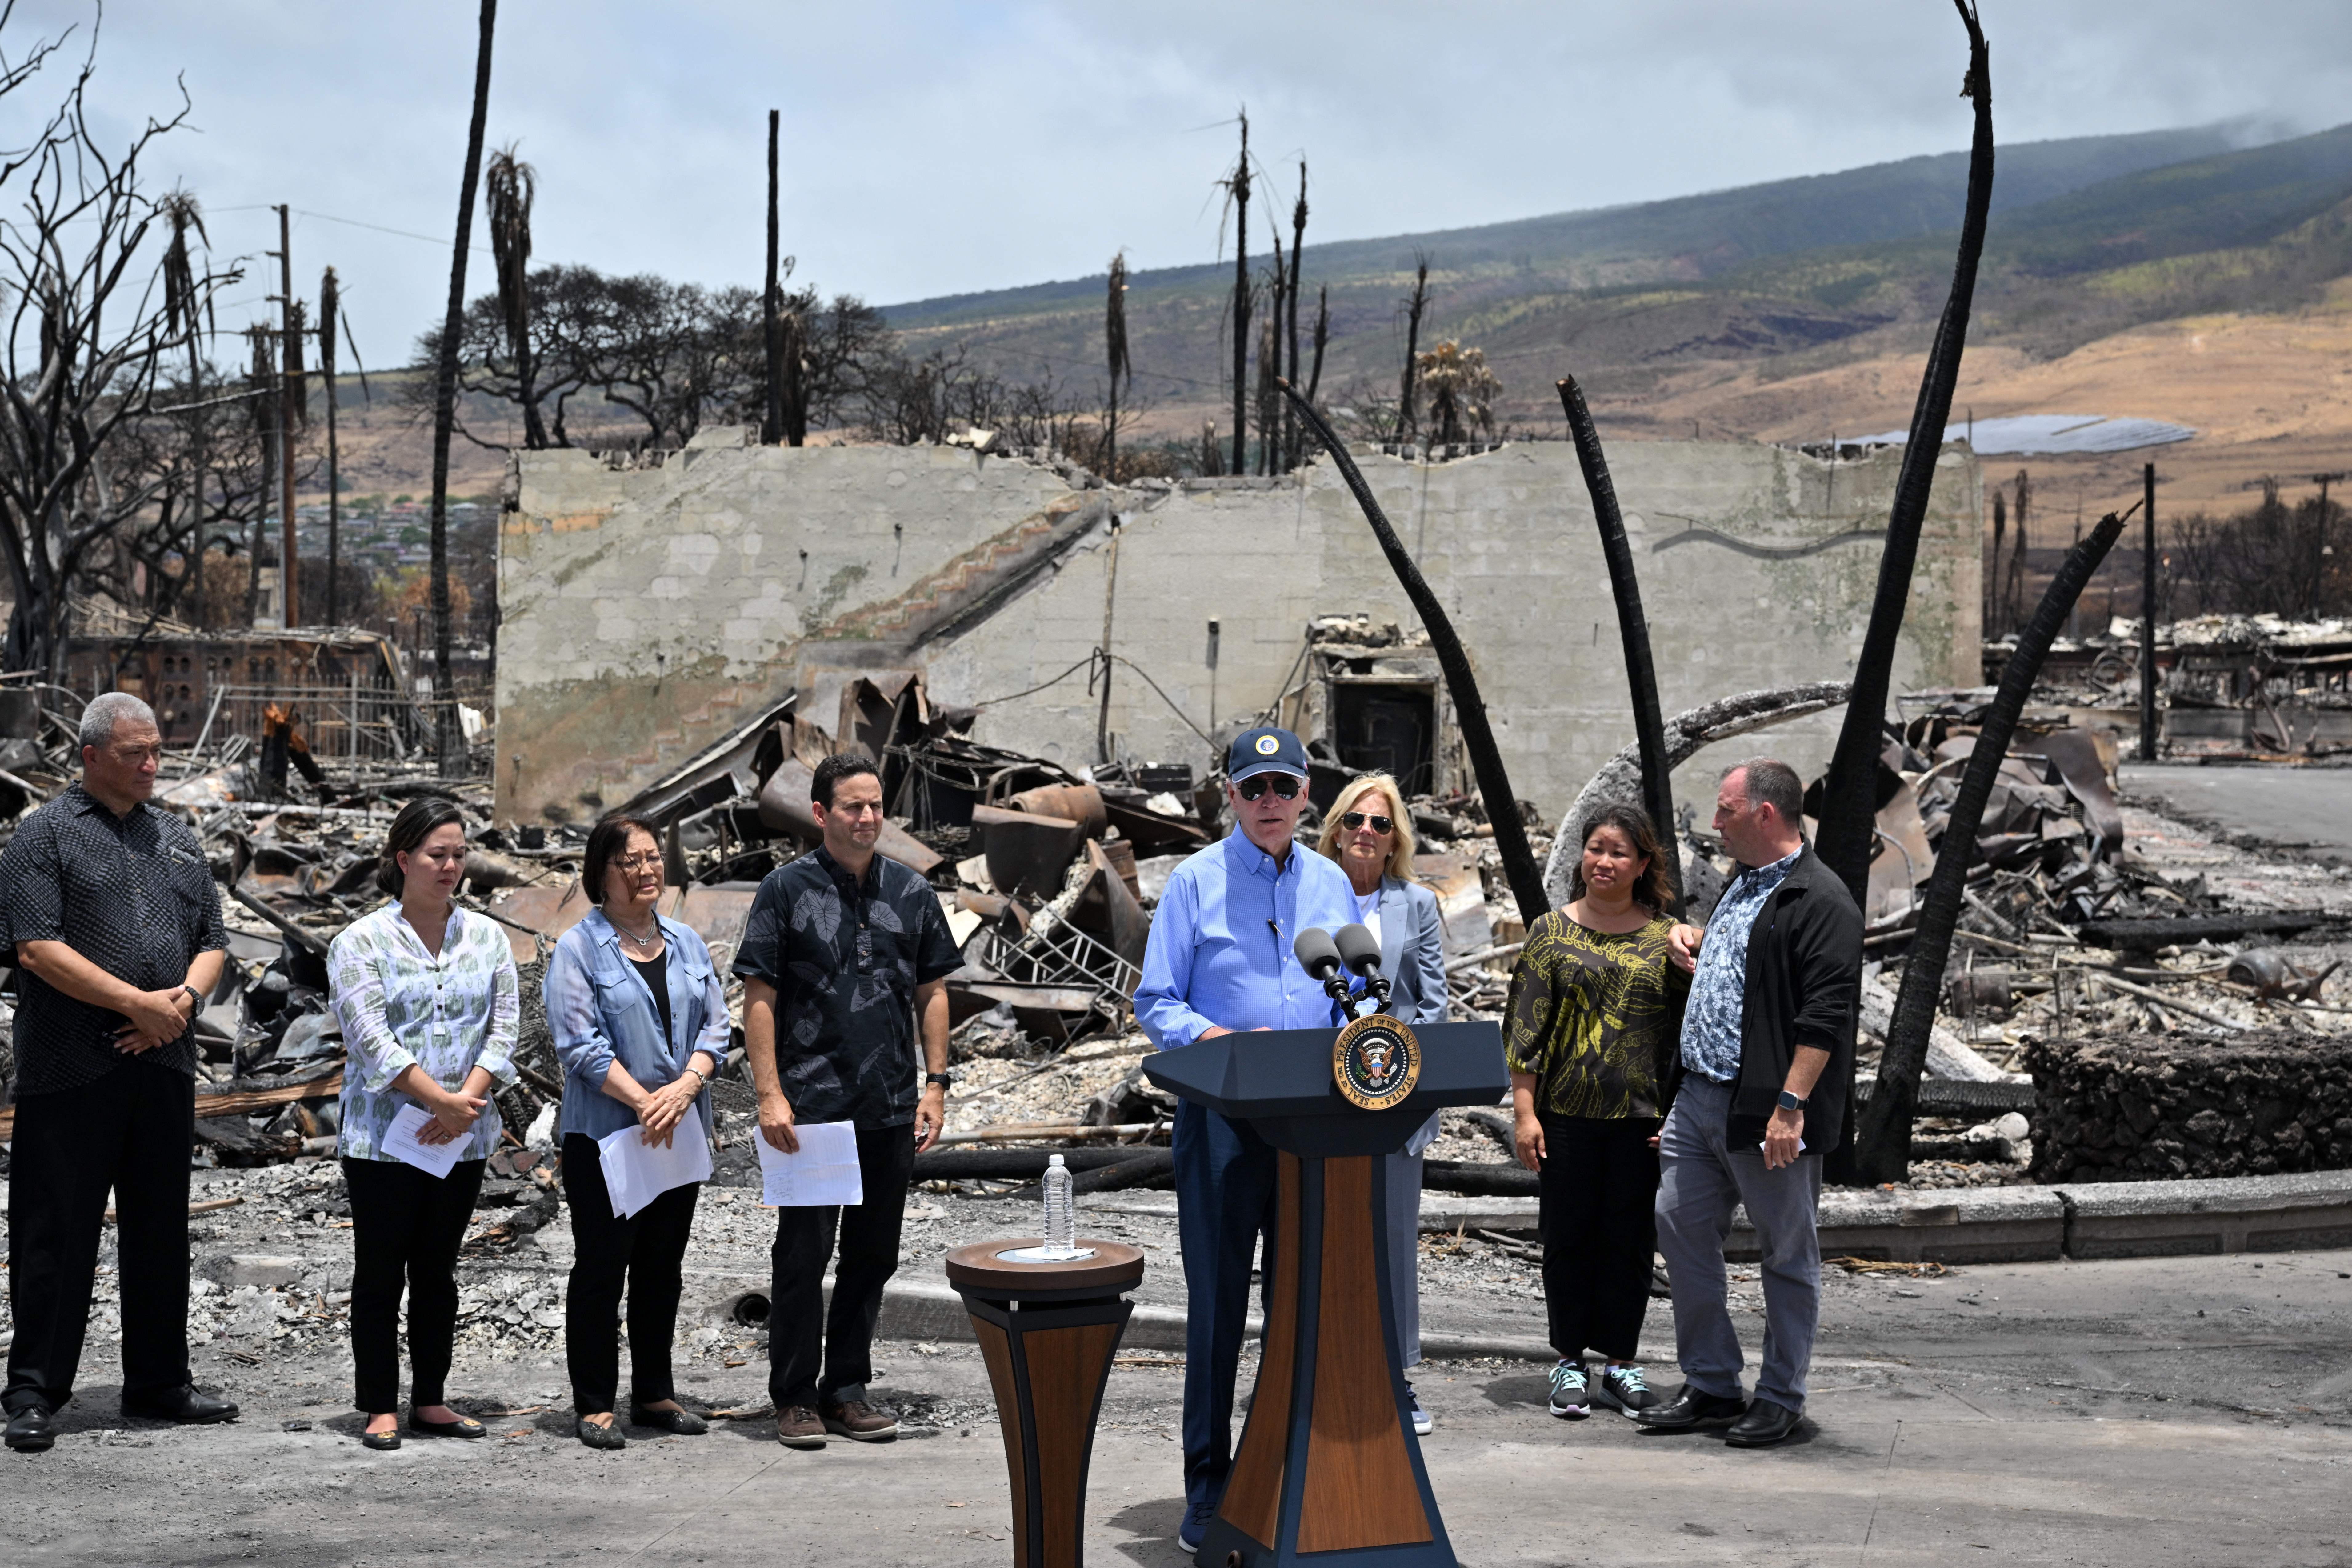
<point x="1320" y="958"/>
<point x="1360" y="952"/>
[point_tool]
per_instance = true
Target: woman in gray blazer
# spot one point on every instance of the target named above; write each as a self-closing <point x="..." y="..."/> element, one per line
<point x="1369" y="832"/>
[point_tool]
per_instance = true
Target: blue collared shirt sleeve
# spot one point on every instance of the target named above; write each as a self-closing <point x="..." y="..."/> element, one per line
<point x="573" y="1016"/>
<point x="1162" y="1007"/>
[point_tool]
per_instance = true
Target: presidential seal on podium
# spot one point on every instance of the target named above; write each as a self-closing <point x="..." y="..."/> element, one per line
<point x="1376" y="1061"/>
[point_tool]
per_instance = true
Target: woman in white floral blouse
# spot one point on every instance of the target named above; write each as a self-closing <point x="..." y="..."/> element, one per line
<point x="430" y="1005"/>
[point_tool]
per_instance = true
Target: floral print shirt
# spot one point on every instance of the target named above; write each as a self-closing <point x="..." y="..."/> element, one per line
<point x="1718" y="996"/>
<point x="400" y="1006"/>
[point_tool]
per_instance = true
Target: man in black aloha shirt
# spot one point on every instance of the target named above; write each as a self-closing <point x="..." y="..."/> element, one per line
<point x="843" y="951"/>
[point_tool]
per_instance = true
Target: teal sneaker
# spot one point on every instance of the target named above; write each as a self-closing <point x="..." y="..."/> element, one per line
<point x="1570" y="1399"/>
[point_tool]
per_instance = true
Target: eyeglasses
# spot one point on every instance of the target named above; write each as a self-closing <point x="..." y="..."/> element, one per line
<point x="643" y="862"/>
<point x="1284" y="785"/>
<point x="1352" y="820"/>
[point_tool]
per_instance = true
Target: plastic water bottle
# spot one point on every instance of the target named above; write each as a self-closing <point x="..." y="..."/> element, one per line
<point x="1060" y="1222"/>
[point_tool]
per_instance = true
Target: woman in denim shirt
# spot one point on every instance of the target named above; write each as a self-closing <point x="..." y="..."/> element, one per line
<point x="639" y="1017"/>
<point x="426" y="996"/>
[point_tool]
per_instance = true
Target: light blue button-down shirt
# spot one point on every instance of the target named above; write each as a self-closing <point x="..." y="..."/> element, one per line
<point x="600" y="1011"/>
<point x="1220" y="949"/>
<point x="1718" y="993"/>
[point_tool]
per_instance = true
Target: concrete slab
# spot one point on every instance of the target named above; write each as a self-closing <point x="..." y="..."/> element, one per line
<point x="2235" y="1213"/>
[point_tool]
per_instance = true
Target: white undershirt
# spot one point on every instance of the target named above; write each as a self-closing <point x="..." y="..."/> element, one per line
<point x="1368" y="912"/>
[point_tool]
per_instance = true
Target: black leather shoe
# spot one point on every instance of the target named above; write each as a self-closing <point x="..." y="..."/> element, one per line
<point x="681" y="1422"/>
<point x="183" y="1404"/>
<point x="596" y="1437"/>
<point x="1689" y="1408"/>
<point x="1764" y="1425"/>
<point x="464" y="1426"/>
<point x="32" y="1430"/>
<point x="382" y="1442"/>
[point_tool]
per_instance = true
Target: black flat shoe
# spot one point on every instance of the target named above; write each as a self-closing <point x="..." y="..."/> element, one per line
<point x="32" y="1430"/>
<point x="1688" y="1409"/>
<point x="1764" y="1425"/>
<point x="595" y="1436"/>
<point x="682" y="1423"/>
<point x="183" y="1404"/>
<point x="464" y="1426"/>
<point x="382" y="1442"/>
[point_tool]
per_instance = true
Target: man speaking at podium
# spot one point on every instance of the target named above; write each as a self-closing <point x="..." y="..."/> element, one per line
<point x="1220" y="963"/>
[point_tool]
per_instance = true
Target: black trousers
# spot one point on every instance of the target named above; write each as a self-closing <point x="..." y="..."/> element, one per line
<point x="802" y="1335"/>
<point x="1598" y="1217"/>
<point x="127" y="1133"/>
<point x="406" y="1228"/>
<point x="647" y="1252"/>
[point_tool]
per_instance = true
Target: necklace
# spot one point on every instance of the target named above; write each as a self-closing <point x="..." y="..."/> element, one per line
<point x="634" y="940"/>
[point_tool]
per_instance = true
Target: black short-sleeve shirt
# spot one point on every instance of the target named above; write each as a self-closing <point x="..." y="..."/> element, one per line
<point x="845" y="955"/>
<point x="134" y="895"/>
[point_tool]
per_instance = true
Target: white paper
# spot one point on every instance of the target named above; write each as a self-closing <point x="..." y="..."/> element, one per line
<point x="400" y="1142"/>
<point x="637" y="1172"/>
<point x="824" y="1172"/>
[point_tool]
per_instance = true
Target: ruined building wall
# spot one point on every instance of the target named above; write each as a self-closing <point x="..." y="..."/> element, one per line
<point x="646" y="613"/>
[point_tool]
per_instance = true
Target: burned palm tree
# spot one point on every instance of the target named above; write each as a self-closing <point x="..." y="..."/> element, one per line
<point x="182" y="302"/>
<point x="1883" y="1131"/>
<point x="510" y="187"/>
<point x="330" y="305"/>
<point x="1634" y="628"/>
<point x="1290" y="297"/>
<point x="1848" y="795"/>
<point x="1469" y="708"/>
<point x="447" y="746"/>
<point x="1238" y="189"/>
<point x="1114" y="354"/>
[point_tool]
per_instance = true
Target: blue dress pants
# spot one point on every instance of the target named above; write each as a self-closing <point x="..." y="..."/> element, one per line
<point x="1225" y="1177"/>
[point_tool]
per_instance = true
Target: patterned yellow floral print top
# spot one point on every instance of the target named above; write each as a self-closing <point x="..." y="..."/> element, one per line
<point x="1595" y="1018"/>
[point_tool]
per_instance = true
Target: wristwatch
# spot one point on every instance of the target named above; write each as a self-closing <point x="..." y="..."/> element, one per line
<point x="1791" y="1102"/>
<point x="942" y="1079"/>
<point x="196" y="999"/>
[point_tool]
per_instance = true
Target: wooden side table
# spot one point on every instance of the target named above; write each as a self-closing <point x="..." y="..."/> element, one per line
<point x="1048" y="1332"/>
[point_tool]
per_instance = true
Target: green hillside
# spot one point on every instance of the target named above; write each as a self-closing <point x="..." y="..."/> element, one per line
<point x="2087" y="235"/>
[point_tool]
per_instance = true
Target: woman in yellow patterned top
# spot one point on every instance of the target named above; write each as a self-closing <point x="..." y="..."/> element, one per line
<point x="1595" y="1010"/>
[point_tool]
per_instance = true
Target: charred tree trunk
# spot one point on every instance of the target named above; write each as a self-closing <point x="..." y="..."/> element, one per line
<point x="1290" y="433"/>
<point x="447" y="737"/>
<point x="1469" y="708"/>
<point x="1322" y="337"/>
<point x="1641" y="673"/>
<point x="1883" y="1134"/>
<point x="772" y="422"/>
<point x="1849" y="795"/>
<point x="1413" y="306"/>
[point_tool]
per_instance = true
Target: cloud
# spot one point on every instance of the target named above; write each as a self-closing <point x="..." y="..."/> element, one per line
<point x="944" y="148"/>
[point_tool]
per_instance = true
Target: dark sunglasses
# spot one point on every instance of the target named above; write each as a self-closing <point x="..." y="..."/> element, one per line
<point x="1352" y="820"/>
<point x="1284" y="785"/>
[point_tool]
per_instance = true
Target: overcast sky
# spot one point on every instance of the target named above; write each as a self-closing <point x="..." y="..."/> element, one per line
<point x="944" y="148"/>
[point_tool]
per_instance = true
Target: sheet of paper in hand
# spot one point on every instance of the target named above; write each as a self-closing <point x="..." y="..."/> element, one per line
<point x="824" y="1172"/>
<point x="400" y="1142"/>
<point x="637" y="1172"/>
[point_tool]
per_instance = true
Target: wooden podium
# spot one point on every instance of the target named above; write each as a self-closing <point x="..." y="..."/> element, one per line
<point x="1048" y="1332"/>
<point x="1328" y="1470"/>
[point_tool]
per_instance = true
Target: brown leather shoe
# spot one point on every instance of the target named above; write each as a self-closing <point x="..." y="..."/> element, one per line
<point x="798" y="1427"/>
<point x="860" y="1422"/>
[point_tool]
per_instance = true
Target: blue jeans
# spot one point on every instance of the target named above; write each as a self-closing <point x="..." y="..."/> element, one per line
<point x="1225" y="1177"/>
<point x="1701" y="1180"/>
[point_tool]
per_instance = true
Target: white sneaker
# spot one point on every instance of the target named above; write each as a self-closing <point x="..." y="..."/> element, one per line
<point x="1422" y="1423"/>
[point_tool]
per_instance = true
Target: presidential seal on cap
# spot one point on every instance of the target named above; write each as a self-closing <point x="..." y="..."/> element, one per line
<point x="1266" y="750"/>
<point x="1376" y="1061"/>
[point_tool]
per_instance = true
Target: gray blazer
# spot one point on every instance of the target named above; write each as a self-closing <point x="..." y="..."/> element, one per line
<point x="1412" y="956"/>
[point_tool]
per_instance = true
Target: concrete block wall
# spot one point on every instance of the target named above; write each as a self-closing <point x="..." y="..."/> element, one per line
<point x="647" y="613"/>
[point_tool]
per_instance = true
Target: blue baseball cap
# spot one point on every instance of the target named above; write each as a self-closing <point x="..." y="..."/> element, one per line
<point x="1267" y="751"/>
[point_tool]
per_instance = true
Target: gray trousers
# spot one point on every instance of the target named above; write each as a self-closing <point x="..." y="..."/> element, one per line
<point x="1402" y="1174"/>
<point x="1701" y="1181"/>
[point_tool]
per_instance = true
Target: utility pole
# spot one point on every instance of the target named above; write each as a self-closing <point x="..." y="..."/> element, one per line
<point x="1240" y="187"/>
<point x="289" y="572"/>
<point x="2147" y="616"/>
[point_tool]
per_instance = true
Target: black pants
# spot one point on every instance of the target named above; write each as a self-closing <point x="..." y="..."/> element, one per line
<point x="129" y="1133"/>
<point x="802" y="1332"/>
<point x="1598" y="1217"/>
<point x="646" y="1251"/>
<point x="406" y="1227"/>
